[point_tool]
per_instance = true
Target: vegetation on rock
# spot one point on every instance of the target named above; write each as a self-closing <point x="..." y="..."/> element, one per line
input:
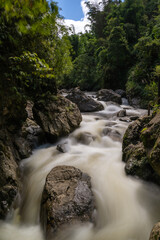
<point x="141" y="148"/>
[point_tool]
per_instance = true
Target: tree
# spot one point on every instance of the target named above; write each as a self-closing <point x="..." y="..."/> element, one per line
<point x="30" y="26"/>
<point x="114" y="60"/>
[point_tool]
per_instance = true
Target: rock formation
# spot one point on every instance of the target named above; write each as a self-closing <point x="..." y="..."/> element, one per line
<point x="19" y="137"/>
<point x="85" y="103"/>
<point x="67" y="199"/>
<point x="109" y="95"/>
<point x="57" y="117"/>
<point x="155" y="233"/>
<point x="141" y="148"/>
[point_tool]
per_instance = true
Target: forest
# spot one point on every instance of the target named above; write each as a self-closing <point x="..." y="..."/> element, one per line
<point x="38" y="55"/>
<point x="77" y="160"/>
<point x="121" y="50"/>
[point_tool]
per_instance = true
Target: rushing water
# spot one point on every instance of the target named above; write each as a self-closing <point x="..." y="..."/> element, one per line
<point x="126" y="208"/>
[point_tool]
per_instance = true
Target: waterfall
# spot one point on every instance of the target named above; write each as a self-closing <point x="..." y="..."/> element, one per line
<point x="127" y="208"/>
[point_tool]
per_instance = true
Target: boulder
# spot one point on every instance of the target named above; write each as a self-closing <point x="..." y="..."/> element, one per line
<point x="137" y="163"/>
<point x="121" y="113"/>
<point x="150" y="136"/>
<point x="63" y="147"/>
<point x="67" y="199"/>
<point x="28" y="137"/>
<point x="155" y="233"/>
<point x="133" y="118"/>
<point x="125" y="119"/>
<point x="109" y="95"/>
<point x="57" y="117"/>
<point x="121" y="92"/>
<point x="136" y="102"/>
<point x="112" y="133"/>
<point x="85" y="103"/>
<point x="85" y="138"/>
<point x="141" y="148"/>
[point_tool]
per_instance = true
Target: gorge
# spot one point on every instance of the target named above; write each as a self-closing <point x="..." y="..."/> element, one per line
<point x="127" y="208"/>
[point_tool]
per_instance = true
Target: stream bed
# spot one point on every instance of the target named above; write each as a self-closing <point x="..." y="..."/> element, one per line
<point x="127" y="208"/>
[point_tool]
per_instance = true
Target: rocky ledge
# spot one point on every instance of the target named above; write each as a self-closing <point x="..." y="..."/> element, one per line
<point x="53" y="118"/>
<point x="141" y="148"/>
<point x="67" y="199"/>
<point x="141" y="152"/>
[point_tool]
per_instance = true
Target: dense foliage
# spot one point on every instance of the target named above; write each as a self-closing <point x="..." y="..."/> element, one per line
<point x="122" y="50"/>
<point x="34" y="52"/>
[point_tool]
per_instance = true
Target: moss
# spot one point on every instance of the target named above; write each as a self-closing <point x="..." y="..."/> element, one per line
<point x="144" y="129"/>
<point x="54" y="98"/>
<point x="69" y="108"/>
<point x="125" y="140"/>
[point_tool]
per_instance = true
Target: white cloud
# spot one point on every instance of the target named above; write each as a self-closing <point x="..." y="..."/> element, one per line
<point x="82" y="24"/>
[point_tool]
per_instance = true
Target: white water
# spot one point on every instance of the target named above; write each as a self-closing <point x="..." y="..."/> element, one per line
<point x="126" y="208"/>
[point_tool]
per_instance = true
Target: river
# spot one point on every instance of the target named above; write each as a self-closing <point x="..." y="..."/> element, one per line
<point x="127" y="208"/>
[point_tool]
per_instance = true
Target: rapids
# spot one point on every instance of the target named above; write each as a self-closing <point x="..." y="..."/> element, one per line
<point x="127" y="208"/>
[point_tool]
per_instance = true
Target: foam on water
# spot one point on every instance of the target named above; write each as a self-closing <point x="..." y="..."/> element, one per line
<point x="126" y="208"/>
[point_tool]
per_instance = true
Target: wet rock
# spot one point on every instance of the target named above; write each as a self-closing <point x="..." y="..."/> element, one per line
<point x="110" y="124"/>
<point x="63" y="147"/>
<point x="85" y="138"/>
<point x="57" y="117"/>
<point x="108" y="95"/>
<point x="125" y="101"/>
<point x="121" y="113"/>
<point x="141" y="148"/>
<point x="23" y="147"/>
<point x="137" y="163"/>
<point x="85" y="103"/>
<point x="155" y="233"/>
<point x="67" y="199"/>
<point x="151" y="140"/>
<point x="109" y="103"/>
<point x="29" y="136"/>
<point x="11" y="120"/>
<point x="112" y="133"/>
<point x="135" y="102"/>
<point x="125" y="119"/>
<point x="9" y="173"/>
<point x="133" y="118"/>
<point x="121" y="92"/>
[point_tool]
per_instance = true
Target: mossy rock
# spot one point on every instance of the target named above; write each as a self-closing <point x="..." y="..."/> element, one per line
<point x="154" y="157"/>
<point x="141" y="148"/>
<point x="57" y="118"/>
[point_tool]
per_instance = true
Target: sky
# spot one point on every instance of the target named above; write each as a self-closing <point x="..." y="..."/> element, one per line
<point x="75" y="13"/>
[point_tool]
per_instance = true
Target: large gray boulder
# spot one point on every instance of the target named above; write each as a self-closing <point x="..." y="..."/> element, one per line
<point x="85" y="103"/>
<point x="109" y="95"/>
<point x="57" y="117"/>
<point x="67" y="199"/>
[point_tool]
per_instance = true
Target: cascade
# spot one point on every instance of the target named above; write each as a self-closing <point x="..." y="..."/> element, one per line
<point x="127" y="208"/>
